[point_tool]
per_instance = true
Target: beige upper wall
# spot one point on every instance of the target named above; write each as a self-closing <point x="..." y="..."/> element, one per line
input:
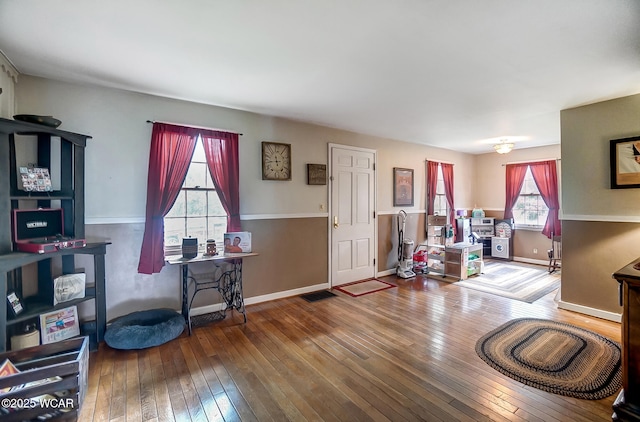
<point x="8" y="79"/>
<point x="490" y="176"/>
<point x="599" y="226"/>
<point x="117" y="156"/>
<point x="586" y="132"/>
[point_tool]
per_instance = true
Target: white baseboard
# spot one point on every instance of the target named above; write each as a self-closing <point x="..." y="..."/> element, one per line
<point x="390" y="271"/>
<point x="598" y="313"/>
<point x="531" y="261"/>
<point x="259" y="299"/>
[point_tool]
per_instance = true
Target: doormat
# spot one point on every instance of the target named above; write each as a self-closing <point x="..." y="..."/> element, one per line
<point x="555" y="357"/>
<point x="315" y="296"/>
<point x="364" y="287"/>
<point x="518" y="282"/>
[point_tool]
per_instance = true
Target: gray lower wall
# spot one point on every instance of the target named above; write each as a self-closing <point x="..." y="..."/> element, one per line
<point x="292" y="255"/>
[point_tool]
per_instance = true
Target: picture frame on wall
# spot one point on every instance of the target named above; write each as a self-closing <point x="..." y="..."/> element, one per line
<point x="402" y="187"/>
<point x="316" y="174"/>
<point x="625" y="162"/>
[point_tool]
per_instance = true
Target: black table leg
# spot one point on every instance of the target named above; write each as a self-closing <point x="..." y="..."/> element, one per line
<point x="185" y="294"/>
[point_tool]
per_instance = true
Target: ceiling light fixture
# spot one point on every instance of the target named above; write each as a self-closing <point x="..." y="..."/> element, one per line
<point x="503" y="147"/>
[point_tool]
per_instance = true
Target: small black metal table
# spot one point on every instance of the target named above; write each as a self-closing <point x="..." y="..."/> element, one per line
<point x="226" y="278"/>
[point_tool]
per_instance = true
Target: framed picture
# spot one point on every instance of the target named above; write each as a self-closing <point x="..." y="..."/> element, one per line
<point x="316" y="174"/>
<point x="15" y="304"/>
<point x="625" y="163"/>
<point x="276" y="161"/>
<point x="402" y="187"/>
<point x="59" y="325"/>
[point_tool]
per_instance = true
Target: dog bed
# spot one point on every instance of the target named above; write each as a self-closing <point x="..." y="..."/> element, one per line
<point x="143" y="329"/>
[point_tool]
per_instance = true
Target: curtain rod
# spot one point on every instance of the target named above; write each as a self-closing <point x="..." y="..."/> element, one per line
<point x="195" y="127"/>
<point x="440" y="162"/>
<point x="531" y="161"/>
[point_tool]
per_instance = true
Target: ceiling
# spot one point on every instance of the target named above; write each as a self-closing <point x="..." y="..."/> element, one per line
<point x="457" y="74"/>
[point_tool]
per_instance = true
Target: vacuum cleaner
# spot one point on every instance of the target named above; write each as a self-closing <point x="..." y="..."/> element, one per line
<point x="405" y="249"/>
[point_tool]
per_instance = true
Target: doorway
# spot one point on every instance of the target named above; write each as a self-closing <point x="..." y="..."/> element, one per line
<point x="352" y="224"/>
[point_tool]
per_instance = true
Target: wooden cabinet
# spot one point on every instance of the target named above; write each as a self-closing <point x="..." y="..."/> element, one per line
<point x="627" y="406"/>
<point x="66" y="151"/>
<point x="463" y="260"/>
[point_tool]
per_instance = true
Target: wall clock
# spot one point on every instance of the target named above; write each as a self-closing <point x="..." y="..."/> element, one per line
<point x="276" y="161"/>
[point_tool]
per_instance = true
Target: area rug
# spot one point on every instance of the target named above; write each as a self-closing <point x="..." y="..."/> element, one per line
<point x="364" y="287"/>
<point x="519" y="282"/>
<point x="555" y="357"/>
<point x="316" y="296"/>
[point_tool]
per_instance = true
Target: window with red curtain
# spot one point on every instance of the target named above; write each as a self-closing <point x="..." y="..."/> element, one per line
<point x="544" y="174"/>
<point x="432" y="184"/>
<point x="172" y="147"/>
<point x="221" y="150"/>
<point x="432" y="170"/>
<point x="447" y="173"/>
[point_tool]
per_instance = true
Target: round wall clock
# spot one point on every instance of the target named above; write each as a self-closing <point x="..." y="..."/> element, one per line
<point x="276" y="161"/>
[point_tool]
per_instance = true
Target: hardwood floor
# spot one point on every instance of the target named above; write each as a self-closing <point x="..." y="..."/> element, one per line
<point x="402" y="354"/>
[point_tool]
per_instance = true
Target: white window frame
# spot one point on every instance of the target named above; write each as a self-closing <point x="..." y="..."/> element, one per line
<point x="529" y="181"/>
<point x="441" y="197"/>
<point x="176" y="249"/>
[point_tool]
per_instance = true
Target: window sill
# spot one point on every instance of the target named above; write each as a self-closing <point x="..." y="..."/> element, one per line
<point x="529" y="228"/>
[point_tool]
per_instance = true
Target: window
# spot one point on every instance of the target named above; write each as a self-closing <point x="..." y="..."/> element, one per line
<point x="197" y="211"/>
<point x="530" y="210"/>
<point x="440" y="202"/>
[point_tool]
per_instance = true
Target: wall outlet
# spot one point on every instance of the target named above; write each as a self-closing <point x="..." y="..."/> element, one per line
<point x="535" y="250"/>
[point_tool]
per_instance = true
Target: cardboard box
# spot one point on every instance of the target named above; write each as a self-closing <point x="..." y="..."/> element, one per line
<point x="237" y="242"/>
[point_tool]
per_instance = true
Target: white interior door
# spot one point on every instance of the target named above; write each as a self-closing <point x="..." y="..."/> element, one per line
<point x="353" y="229"/>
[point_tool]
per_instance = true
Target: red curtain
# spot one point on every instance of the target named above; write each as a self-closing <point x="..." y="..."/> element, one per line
<point x="514" y="179"/>
<point x="447" y="174"/>
<point x="546" y="177"/>
<point x="221" y="149"/>
<point x="171" y="151"/>
<point x="432" y="184"/>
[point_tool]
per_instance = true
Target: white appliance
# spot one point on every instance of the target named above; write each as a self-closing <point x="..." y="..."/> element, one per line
<point x="500" y="247"/>
<point x="484" y="228"/>
<point x="502" y="242"/>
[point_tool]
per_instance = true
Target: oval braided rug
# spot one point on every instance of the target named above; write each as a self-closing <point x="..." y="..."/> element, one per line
<point x="555" y="357"/>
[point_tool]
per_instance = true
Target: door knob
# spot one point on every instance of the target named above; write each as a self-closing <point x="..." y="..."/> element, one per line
<point x="335" y="222"/>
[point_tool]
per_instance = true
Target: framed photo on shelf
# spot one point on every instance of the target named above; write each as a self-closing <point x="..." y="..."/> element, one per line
<point x="15" y="304"/>
<point x="625" y="162"/>
<point x="402" y="187"/>
<point x="59" y="324"/>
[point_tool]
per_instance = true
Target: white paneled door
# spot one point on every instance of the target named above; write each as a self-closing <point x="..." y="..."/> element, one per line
<point x="352" y="214"/>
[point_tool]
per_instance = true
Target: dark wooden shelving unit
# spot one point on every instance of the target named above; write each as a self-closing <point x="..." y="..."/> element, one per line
<point x="71" y="198"/>
<point x="627" y="405"/>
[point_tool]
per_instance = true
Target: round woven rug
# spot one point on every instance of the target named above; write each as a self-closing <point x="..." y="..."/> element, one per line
<point x="555" y="357"/>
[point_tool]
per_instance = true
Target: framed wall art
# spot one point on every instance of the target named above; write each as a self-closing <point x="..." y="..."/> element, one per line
<point x="625" y="162"/>
<point x="276" y="161"/>
<point x="402" y="187"/>
<point x="316" y="174"/>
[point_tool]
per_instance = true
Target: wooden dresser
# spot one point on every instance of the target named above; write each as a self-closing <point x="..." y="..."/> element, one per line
<point x="627" y="405"/>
